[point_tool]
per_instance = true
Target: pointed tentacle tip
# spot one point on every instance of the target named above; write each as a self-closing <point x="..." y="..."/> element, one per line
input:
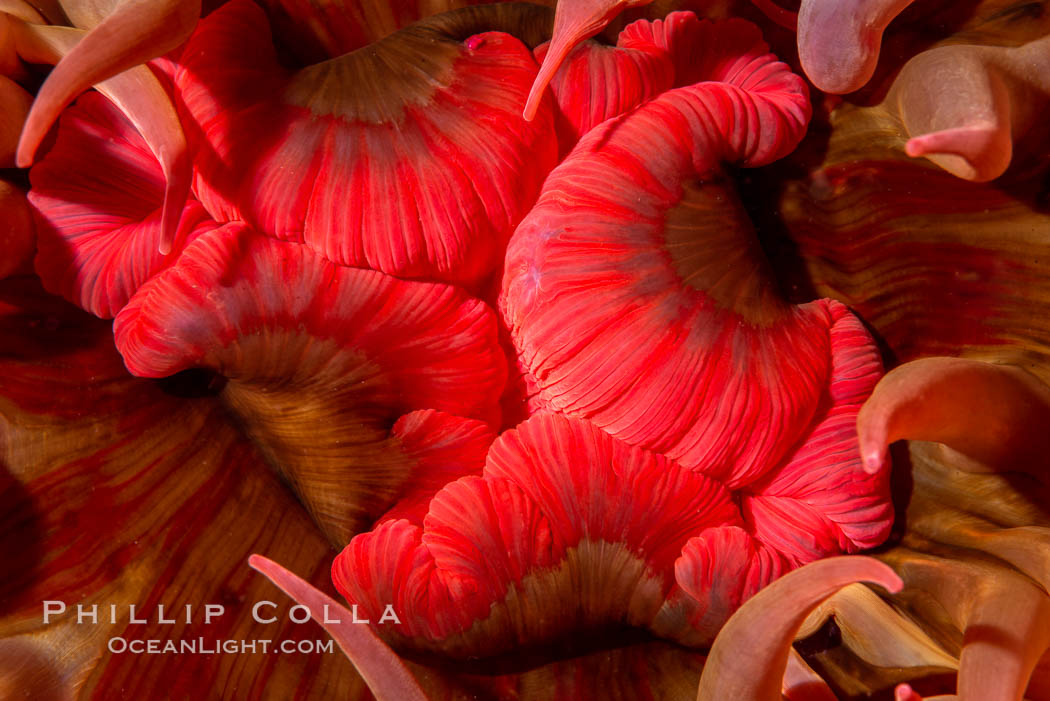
<point x="28" y="142"/>
<point x="574" y="21"/>
<point x="179" y="175"/>
<point x="992" y="416"/>
<point x="290" y="583"/>
<point x="383" y="671"/>
<point x="887" y="579"/>
<point x="904" y="692"/>
<point x="873" y="460"/>
<point x="558" y="50"/>
<point x="260" y="564"/>
<point x="974" y="152"/>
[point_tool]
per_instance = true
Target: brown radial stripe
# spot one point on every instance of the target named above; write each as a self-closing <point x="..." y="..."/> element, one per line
<point x="319" y="29"/>
<point x="713" y="248"/>
<point x="407" y="68"/>
<point x="937" y="265"/>
<point x="598" y="586"/>
<point x="337" y="455"/>
<point x="116" y="493"/>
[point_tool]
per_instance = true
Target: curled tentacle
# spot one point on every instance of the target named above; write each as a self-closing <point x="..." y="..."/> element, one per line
<point x="839" y="40"/>
<point x="750" y="655"/>
<point x="138" y="93"/>
<point x="135" y="32"/>
<point x="936" y="399"/>
<point x="574" y="21"/>
<point x="1004" y="617"/>
<point x="873" y="630"/>
<point x="964" y="106"/>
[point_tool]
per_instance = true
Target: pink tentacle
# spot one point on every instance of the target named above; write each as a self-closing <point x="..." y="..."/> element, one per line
<point x="750" y="656"/>
<point x="839" y="40"/>
<point x="386" y="675"/>
<point x="138" y="93"/>
<point x="137" y="31"/>
<point x="994" y="415"/>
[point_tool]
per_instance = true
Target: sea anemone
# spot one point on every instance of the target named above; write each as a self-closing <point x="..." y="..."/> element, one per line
<point x="561" y="362"/>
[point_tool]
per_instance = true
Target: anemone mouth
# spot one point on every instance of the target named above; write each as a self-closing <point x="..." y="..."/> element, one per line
<point x="713" y="249"/>
<point x="313" y="32"/>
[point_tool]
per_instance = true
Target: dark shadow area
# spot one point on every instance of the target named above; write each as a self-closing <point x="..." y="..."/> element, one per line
<point x="194" y="383"/>
<point x="522" y="659"/>
<point x="43" y="326"/>
<point x="761" y="192"/>
<point x="21" y="542"/>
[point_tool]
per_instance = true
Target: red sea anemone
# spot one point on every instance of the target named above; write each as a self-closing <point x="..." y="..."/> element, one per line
<point x="586" y="401"/>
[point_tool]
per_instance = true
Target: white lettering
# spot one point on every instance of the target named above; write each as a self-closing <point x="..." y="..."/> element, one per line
<point x="389" y="615"/>
<point x="160" y="615"/>
<point x="327" y="619"/>
<point x="50" y="609"/>
<point x="353" y="612"/>
<point x="291" y="614"/>
<point x="213" y="611"/>
<point x="259" y="605"/>
<point x="131" y="616"/>
<point x="81" y="614"/>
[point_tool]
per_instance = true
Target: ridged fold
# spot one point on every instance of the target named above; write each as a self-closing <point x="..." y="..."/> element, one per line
<point x="98" y="196"/>
<point x="320" y="360"/>
<point x="418" y="173"/>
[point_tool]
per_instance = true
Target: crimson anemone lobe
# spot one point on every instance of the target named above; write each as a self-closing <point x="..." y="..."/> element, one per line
<point x="838" y="42"/>
<point x="706" y="325"/>
<point x="105" y="49"/>
<point x="597" y="82"/>
<point x="321" y="362"/>
<point x="98" y="196"/>
<point x="611" y="527"/>
<point x="422" y="126"/>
